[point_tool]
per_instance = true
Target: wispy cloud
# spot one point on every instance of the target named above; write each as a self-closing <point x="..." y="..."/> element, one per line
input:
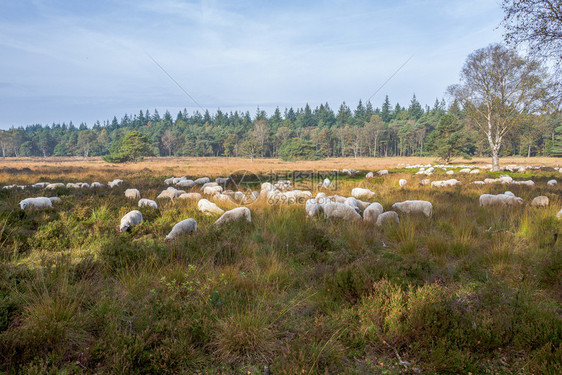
<point x="225" y="54"/>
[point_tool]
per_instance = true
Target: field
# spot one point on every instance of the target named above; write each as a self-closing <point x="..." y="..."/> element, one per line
<point x="470" y="290"/>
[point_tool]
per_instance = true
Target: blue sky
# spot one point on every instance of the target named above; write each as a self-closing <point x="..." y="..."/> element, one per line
<point x="83" y="61"/>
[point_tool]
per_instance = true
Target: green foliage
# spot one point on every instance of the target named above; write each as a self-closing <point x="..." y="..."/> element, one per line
<point x="298" y="149"/>
<point x="132" y="148"/>
<point x="449" y="139"/>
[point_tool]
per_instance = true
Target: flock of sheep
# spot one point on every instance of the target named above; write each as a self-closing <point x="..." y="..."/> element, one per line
<point x="352" y="208"/>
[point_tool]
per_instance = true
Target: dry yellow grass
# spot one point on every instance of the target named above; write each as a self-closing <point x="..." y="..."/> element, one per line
<point x="212" y="166"/>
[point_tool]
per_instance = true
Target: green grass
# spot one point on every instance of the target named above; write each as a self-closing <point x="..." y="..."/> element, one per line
<point x="472" y="289"/>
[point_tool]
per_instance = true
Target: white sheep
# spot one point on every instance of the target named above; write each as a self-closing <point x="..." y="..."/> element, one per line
<point x="184" y="227"/>
<point x="212" y="190"/>
<point x="72" y="185"/>
<point x="551" y="182"/>
<point x="234" y="215"/>
<point x="370" y="175"/>
<point x="387" y="217"/>
<point x="477" y="182"/>
<point x="527" y="183"/>
<point x="382" y="172"/>
<point x="186" y="184"/>
<point x="169" y="193"/>
<point x="559" y="214"/>
<point x="446" y="183"/>
<point x="424" y="182"/>
<point x="39" y="202"/>
<point x="450" y="173"/>
<point x="202" y="180"/>
<point x="132" y="194"/>
<point x="224" y="198"/>
<point x="475" y="171"/>
<point x="239" y="196"/>
<point x="115" y="183"/>
<point x="209" y="208"/>
<point x="169" y="181"/>
<point x="402" y="182"/>
<point x="414" y="206"/>
<point x="464" y="170"/>
<point x="54" y="186"/>
<point x="340" y="211"/>
<point x="211" y="184"/>
<point x="55" y="200"/>
<point x="192" y="196"/>
<point x="509" y="193"/>
<point x="313" y="208"/>
<point x="361" y="193"/>
<point x="132" y="218"/>
<point x="357" y="204"/>
<point x="499" y="199"/>
<point x="40" y="185"/>
<point x="540" y="201"/>
<point x="96" y="185"/>
<point x="372" y="212"/>
<point x="222" y="180"/>
<point x="148" y="203"/>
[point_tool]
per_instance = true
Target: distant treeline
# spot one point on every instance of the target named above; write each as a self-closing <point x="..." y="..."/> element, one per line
<point x="365" y="131"/>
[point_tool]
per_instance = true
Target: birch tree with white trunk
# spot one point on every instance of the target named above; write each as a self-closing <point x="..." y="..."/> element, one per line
<point x="497" y="87"/>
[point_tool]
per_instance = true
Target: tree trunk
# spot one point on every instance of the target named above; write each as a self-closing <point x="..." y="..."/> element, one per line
<point x="529" y="151"/>
<point x="495" y="159"/>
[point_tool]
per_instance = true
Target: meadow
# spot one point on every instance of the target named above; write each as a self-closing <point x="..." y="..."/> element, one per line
<point x="470" y="290"/>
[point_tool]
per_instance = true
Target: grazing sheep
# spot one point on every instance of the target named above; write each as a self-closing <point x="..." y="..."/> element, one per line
<point x="559" y="214"/>
<point x="169" y="193"/>
<point x="499" y="199"/>
<point x="372" y="212"/>
<point x="382" y="172"/>
<point x="540" y="201"/>
<point x="337" y="198"/>
<point x="148" y="203"/>
<point x="267" y="186"/>
<point x="202" y="180"/>
<point x="464" y="170"/>
<point x="40" y="185"/>
<point x="115" y="183"/>
<point x="313" y="208"/>
<point x="402" y="182"/>
<point x="450" y="172"/>
<point x="55" y="199"/>
<point x="429" y="171"/>
<point x="222" y="198"/>
<point x="340" y="211"/>
<point x="551" y="182"/>
<point x="370" y="175"/>
<point x="211" y="184"/>
<point x="527" y="183"/>
<point x="387" y="217"/>
<point x="192" y="196"/>
<point x="505" y="179"/>
<point x="209" y="208"/>
<point x="39" y="202"/>
<point x="445" y="183"/>
<point x="55" y="186"/>
<point x="357" y="204"/>
<point x="132" y="218"/>
<point x="424" y="182"/>
<point x="72" y="185"/>
<point x="234" y="215"/>
<point x="477" y="182"/>
<point x="361" y="193"/>
<point x="169" y="181"/>
<point x="414" y="206"/>
<point x="184" y="227"/>
<point x="509" y="193"/>
<point x="212" y="190"/>
<point x="132" y="194"/>
<point x="239" y="196"/>
<point x="222" y="180"/>
<point x="475" y="171"/>
<point x="96" y="185"/>
<point x="186" y="184"/>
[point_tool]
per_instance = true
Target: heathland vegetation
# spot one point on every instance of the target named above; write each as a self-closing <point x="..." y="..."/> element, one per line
<point x="471" y="289"/>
